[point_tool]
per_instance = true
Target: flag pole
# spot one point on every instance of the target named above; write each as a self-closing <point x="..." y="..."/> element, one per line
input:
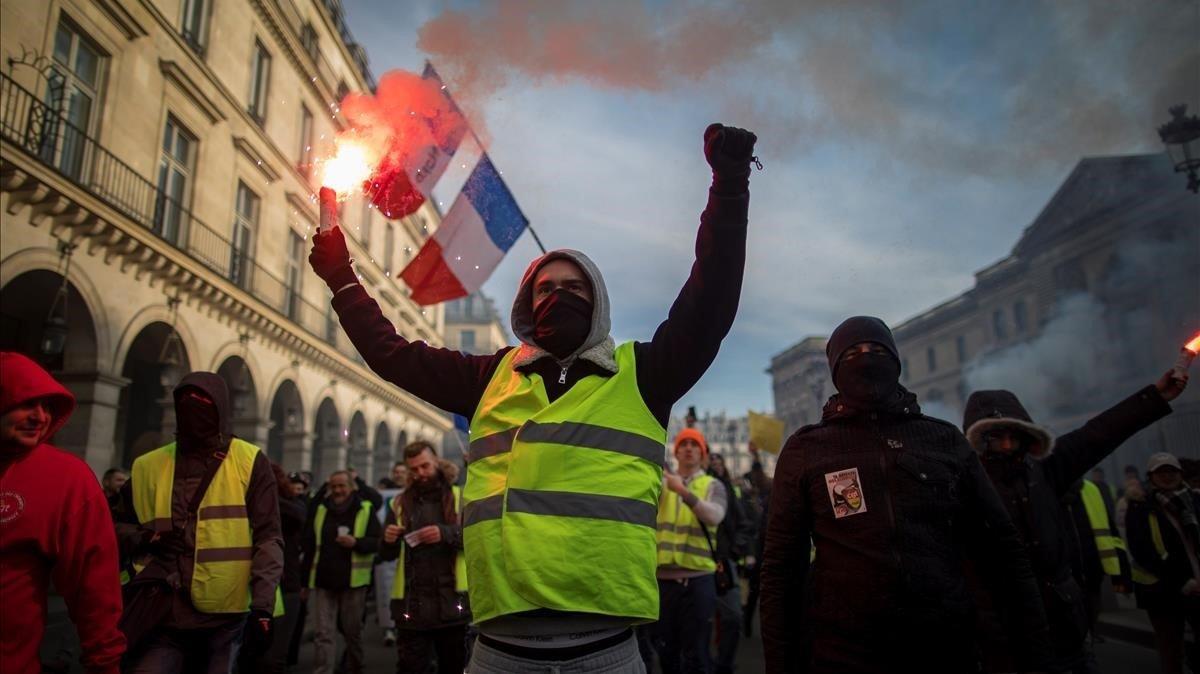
<point x="445" y="92"/>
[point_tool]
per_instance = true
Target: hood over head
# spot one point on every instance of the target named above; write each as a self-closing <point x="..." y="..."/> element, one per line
<point x="993" y="410"/>
<point x="597" y="347"/>
<point x="212" y="385"/>
<point x="22" y="380"/>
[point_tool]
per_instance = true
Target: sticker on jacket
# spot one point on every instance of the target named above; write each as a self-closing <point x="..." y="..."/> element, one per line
<point x="845" y="493"/>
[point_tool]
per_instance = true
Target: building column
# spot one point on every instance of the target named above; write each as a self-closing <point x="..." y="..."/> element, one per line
<point x="253" y="430"/>
<point x="296" y="454"/>
<point x="89" y="434"/>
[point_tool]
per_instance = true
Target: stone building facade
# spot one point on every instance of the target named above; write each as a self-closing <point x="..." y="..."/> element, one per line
<point x="159" y="154"/>
<point x="1093" y="302"/>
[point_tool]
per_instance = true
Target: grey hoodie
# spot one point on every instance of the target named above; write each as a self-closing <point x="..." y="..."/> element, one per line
<point x="598" y="347"/>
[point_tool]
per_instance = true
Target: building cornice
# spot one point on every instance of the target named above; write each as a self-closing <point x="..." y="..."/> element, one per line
<point x="176" y="75"/>
<point x="75" y="214"/>
<point x="122" y="18"/>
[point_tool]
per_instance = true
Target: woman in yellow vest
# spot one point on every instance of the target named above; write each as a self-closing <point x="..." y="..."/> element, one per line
<point x="689" y="512"/>
<point x="338" y="550"/>
<point x="1163" y="525"/>
<point x="567" y="432"/>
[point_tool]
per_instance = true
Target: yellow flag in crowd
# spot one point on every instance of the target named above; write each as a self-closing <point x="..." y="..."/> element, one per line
<point x="766" y="432"/>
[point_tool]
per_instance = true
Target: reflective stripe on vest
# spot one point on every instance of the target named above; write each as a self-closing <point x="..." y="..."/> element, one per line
<point x="224" y="545"/>
<point x="1140" y="575"/>
<point x="681" y="541"/>
<point x="1106" y="543"/>
<point x="561" y="498"/>
<point x="360" y="562"/>
<point x="460" y="561"/>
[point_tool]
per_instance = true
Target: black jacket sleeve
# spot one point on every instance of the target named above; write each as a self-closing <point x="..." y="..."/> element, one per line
<point x="686" y="343"/>
<point x="1141" y="545"/>
<point x="785" y="563"/>
<point x="369" y="544"/>
<point x="451" y="380"/>
<point x="262" y="506"/>
<point x="390" y="551"/>
<point x="1076" y="452"/>
<point x="308" y="546"/>
<point x="996" y="549"/>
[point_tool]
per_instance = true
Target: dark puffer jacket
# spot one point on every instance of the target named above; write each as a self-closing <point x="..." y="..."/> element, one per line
<point x="1032" y="487"/>
<point x="888" y="589"/>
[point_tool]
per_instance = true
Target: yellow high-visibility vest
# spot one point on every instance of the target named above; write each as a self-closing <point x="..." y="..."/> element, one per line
<point x="1106" y="543"/>
<point x="561" y="498"/>
<point x="1140" y="575"/>
<point x="460" y="562"/>
<point x="224" y="544"/>
<point x="360" y="562"/>
<point x="681" y="541"/>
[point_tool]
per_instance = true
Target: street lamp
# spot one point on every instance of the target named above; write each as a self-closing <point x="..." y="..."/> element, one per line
<point x="168" y="357"/>
<point x="1181" y="135"/>
<point x="54" y="328"/>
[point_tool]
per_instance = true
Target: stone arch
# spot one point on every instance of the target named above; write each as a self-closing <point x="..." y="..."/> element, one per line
<point x="145" y="411"/>
<point x="360" y="451"/>
<point x="329" y="442"/>
<point x="243" y="400"/>
<point x="285" y="439"/>
<point x="47" y="259"/>
<point x="157" y="313"/>
<point x="382" y="451"/>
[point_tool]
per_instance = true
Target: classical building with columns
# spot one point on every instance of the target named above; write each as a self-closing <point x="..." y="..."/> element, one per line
<point x="156" y="190"/>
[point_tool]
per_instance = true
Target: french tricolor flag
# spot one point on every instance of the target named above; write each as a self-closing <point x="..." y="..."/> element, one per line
<point x="483" y="223"/>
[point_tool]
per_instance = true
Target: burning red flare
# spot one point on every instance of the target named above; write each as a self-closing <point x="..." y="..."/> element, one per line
<point x="1194" y="345"/>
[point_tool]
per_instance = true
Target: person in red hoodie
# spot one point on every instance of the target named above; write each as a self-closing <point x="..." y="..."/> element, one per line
<point x="54" y="524"/>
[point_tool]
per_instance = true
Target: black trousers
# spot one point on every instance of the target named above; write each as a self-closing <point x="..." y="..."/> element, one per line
<point x="415" y="649"/>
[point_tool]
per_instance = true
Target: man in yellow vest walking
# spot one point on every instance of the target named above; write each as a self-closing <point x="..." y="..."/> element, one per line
<point x="423" y="535"/>
<point x="205" y="510"/>
<point x="689" y="512"/>
<point x="568" y="432"/>
<point x="338" y="550"/>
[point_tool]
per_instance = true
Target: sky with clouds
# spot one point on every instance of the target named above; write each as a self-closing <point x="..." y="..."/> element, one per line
<point x="906" y="144"/>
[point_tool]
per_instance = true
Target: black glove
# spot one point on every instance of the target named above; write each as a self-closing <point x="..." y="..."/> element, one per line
<point x="260" y="632"/>
<point x="729" y="151"/>
<point x="331" y="259"/>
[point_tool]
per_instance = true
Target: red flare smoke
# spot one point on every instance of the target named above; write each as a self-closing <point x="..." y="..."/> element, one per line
<point x="405" y="115"/>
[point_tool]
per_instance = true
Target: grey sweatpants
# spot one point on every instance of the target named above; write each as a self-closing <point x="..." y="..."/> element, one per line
<point x="622" y="658"/>
<point x="333" y="608"/>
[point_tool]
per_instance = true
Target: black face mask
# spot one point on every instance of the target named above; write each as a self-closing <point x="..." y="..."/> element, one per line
<point x="868" y="380"/>
<point x="561" y="322"/>
<point x="197" y="420"/>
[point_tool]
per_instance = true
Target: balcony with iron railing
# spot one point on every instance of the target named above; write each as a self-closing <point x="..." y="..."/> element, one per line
<point x="46" y="136"/>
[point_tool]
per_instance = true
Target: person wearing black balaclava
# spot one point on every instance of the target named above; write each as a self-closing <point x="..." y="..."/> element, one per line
<point x="203" y="625"/>
<point x="561" y="317"/>
<point x="895" y="503"/>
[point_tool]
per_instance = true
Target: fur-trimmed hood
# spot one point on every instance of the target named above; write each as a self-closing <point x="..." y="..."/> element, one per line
<point x="597" y="348"/>
<point x="991" y="410"/>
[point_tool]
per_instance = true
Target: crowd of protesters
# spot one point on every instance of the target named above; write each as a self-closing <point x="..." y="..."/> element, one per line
<point x="885" y="541"/>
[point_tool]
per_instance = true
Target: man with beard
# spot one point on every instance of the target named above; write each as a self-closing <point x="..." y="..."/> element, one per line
<point x="423" y="534"/>
<point x="54" y="525"/>
<point x="205" y="510"/>
<point x="567" y="434"/>
<point x="887" y="591"/>
<point x="1033" y="471"/>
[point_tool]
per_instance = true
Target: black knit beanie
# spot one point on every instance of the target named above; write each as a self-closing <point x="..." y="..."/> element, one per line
<point x="859" y="329"/>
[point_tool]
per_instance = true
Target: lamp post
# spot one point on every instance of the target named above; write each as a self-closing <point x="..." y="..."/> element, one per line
<point x="1181" y="135"/>
<point x="168" y="357"/>
<point x="54" y="328"/>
